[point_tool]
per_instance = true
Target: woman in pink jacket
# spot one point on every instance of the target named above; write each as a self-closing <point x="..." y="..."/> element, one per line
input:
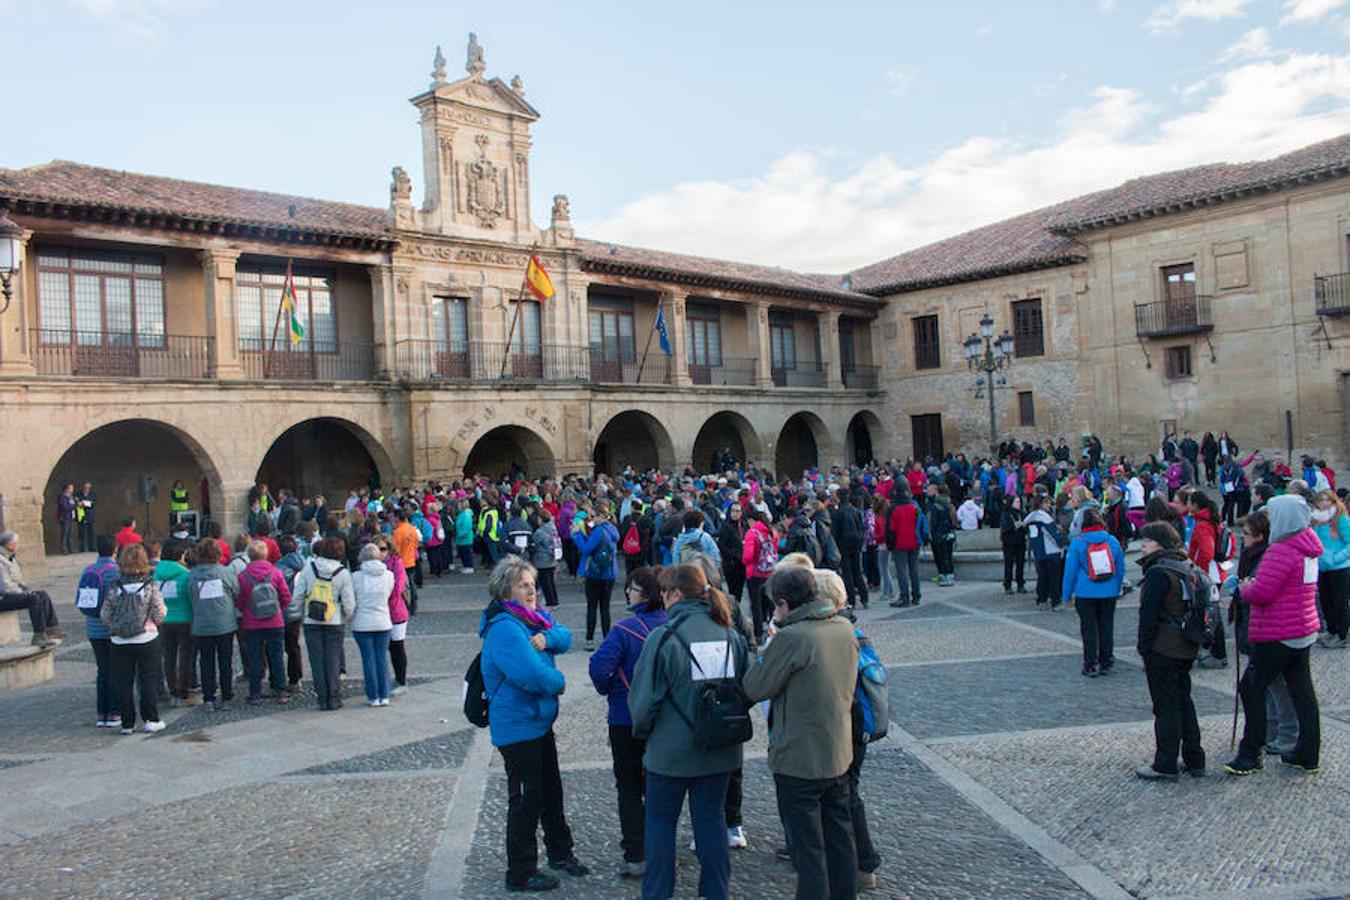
<point x="1283" y="600"/>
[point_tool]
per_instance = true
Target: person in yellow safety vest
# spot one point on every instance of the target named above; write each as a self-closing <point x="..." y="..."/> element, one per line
<point x="488" y="520"/>
<point x="178" y="497"/>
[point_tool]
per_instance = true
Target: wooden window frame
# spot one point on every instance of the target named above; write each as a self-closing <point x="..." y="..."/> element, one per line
<point x="927" y="354"/>
<point x="1028" y="318"/>
<point x="707" y="320"/>
<point x="1026" y="409"/>
<point x="787" y="327"/>
<point x="71" y="270"/>
<point x="1172" y="355"/>
<point x="243" y="274"/>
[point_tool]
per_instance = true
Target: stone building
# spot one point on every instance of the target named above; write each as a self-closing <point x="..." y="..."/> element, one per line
<point x="142" y="338"/>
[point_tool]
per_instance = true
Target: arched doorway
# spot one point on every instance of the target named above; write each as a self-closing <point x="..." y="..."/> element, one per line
<point x="324" y="456"/>
<point x="633" y="438"/>
<point x="117" y="460"/>
<point x="799" y="444"/>
<point x="506" y="448"/>
<point x="725" y="432"/>
<point x="864" y="433"/>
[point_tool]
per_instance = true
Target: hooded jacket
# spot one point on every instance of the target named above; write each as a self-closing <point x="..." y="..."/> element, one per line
<point x="258" y="571"/>
<point x="590" y="541"/>
<point x="172" y="578"/>
<point x="1161" y="605"/>
<point x="1336" y="550"/>
<point x="614" y="661"/>
<point x="1044" y="534"/>
<point x="97" y="577"/>
<point x="701" y="541"/>
<point x="1077" y="582"/>
<point x="759" y="553"/>
<point x="344" y="592"/>
<point x="213" y="606"/>
<point x="373" y="584"/>
<point x="541" y="546"/>
<point x="1283" y="595"/>
<point x="522" y="684"/>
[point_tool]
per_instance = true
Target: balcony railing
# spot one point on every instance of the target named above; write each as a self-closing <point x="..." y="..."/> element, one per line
<point x="488" y="361"/>
<point x="58" y="351"/>
<point x="623" y="368"/>
<point x="347" y="361"/>
<point x="1333" y="294"/>
<point x="1183" y="315"/>
<point x="862" y="378"/>
<point x="729" y="370"/>
<point x="806" y="373"/>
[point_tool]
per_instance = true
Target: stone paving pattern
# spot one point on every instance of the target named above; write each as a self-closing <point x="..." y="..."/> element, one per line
<point x="983" y="679"/>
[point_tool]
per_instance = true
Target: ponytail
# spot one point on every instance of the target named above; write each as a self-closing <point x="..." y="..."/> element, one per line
<point x="691" y="581"/>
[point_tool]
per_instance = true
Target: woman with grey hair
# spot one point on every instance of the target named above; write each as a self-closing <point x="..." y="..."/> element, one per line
<point x="373" y="583"/>
<point x="520" y="640"/>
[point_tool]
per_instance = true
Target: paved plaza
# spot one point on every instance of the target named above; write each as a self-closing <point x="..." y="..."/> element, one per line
<point x="1006" y="775"/>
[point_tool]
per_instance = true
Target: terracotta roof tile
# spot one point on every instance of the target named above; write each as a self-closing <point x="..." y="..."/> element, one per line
<point x="73" y="184"/>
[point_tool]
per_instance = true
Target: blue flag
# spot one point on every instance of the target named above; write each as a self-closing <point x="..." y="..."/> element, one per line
<point x="660" y="327"/>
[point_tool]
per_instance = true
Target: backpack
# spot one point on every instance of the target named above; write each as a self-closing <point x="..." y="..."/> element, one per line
<point x="1201" y="616"/>
<point x="476" y="700"/>
<point x="690" y="551"/>
<point x="632" y="541"/>
<point x="871" y="693"/>
<point x="1225" y="544"/>
<point x="322" y="602"/>
<point x="263" y="600"/>
<point x="768" y="555"/>
<point x="127" y="611"/>
<point x="601" y="561"/>
<point x="1101" y="565"/>
<point x="721" y="712"/>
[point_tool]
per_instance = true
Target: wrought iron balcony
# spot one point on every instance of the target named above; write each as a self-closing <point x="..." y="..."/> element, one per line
<point x="1166" y="318"/>
<point x="1333" y="294"/>
<point x="863" y="378"/>
<point x="728" y="370"/>
<point x="488" y="361"/>
<point x="59" y="351"/>
<point x="345" y="361"/>
<point x="806" y="373"/>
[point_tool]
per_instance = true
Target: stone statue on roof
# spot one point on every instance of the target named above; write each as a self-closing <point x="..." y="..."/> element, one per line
<point x="475" y="65"/>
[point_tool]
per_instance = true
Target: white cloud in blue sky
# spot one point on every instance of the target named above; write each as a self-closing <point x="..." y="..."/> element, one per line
<point x="784" y="133"/>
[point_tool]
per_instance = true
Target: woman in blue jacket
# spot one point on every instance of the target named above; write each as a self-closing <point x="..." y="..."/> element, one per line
<point x="522" y="682"/>
<point x="1333" y="579"/>
<point x="612" y="667"/>
<point x="597" y="541"/>
<point x="1094" y="569"/>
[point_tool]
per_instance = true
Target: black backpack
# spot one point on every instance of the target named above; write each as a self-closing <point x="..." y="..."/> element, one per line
<point x="722" y="712"/>
<point x="1201" y="616"/>
<point x="476" y="700"/>
<point x="601" y="561"/>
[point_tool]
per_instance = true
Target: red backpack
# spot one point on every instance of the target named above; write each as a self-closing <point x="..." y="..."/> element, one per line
<point x="1101" y="564"/>
<point x="632" y="541"/>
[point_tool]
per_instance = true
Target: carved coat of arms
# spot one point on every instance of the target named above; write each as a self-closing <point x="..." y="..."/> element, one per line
<point x="486" y="194"/>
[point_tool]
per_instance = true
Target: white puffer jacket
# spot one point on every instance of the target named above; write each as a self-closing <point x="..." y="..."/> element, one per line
<point x="373" y="584"/>
<point x="343" y="590"/>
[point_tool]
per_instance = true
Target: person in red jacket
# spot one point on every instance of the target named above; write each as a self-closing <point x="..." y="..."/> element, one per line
<point x="128" y="533"/>
<point x="265" y="633"/>
<point x="1204" y="540"/>
<point x="904" y="535"/>
<point x="916" y="478"/>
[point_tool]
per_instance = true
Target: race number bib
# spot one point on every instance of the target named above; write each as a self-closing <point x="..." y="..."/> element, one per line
<point x="711" y="660"/>
<point x="213" y="589"/>
<point x="1309" y="570"/>
<point x="169" y="590"/>
<point x="86" y="598"/>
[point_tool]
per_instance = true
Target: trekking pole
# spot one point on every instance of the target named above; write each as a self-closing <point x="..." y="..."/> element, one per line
<point x="1237" y="692"/>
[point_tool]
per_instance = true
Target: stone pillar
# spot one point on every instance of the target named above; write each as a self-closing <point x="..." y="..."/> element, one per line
<point x="679" y="366"/>
<point x="382" y="315"/>
<point x="15" y="338"/>
<point x="828" y="323"/>
<point x="218" y="274"/>
<point x="757" y="336"/>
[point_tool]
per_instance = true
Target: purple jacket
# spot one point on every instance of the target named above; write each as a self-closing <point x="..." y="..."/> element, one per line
<point x="1283" y="595"/>
<point x="613" y="661"/>
<point x="258" y="571"/>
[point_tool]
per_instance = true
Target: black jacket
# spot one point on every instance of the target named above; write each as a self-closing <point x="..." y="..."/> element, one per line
<point x="731" y="541"/>
<point x="1161" y="601"/>
<point x="847" y="524"/>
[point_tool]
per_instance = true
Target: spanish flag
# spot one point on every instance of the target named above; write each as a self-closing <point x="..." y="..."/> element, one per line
<point x="537" y="280"/>
<point x="294" y="326"/>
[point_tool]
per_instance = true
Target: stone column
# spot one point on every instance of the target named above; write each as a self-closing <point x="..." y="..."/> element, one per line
<point x="679" y="366"/>
<point x="382" y="316"/>
<point x="757" y="337"/>
<point x="218" y="275"/>
<point x="828" y="322"/>
<point x="15" y="340"/>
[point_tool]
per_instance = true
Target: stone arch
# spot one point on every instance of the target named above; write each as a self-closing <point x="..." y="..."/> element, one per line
<point x="803" y="442"/>
<point x="633" y="438"/>
<point x="501" y="448"/>
<point x="114" y="457"/>
<point x="324" y="455"/>
<point x="724" y="429"/>
<point x="863" y="438"/>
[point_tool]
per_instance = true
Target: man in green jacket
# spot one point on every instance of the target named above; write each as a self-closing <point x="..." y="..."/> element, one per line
<point x="808" y="670"/>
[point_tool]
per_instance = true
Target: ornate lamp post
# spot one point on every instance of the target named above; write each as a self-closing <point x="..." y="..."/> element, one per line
<point x="994" y="357"/>
<point x="11" y="257"/>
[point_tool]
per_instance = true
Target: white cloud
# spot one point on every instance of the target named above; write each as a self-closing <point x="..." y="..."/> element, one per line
<point x="1255" y="44"/>
<point x="1308" y="10"/>
<point x="899" y="80"/>
<point x="1168" y="16"/>
<point x="801" y="215"/>
<point x="135" y="20"/>
<point x="1106" y="5"/>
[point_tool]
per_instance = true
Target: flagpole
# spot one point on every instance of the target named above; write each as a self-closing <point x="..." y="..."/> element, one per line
<point x="281" y="302"/>
<point x="511" y="332"/>
<point x="647" y="349"/>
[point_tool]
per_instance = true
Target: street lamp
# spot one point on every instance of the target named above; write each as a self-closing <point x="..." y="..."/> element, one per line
<point x="985" y="356"/>
<point x="11" y="257"/>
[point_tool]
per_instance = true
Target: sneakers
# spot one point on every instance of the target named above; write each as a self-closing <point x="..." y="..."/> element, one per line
<point x="736" y="838"/>
<point x="224" y="706"/>
<point x="590" y="645"/>
<point x="1089" y="671"/>
<point x="1273" y="749"/>
<point x="783" y="853"/>
<point x="466" y="571"/>
<point x="1288" y="760"/>
<point x="41" y="639"/>
<point x="283" y="699"/>
<point x="56" y="634"/>
<point x="1194" y="771"/>
<point x="255" y="701"/>
<point x="1212" y="662"/>
<point x="400" y="689"/>
<point x="383" y="701"/>
<point x="1243" y="767"/>
<point x="1330" y="642"/>
<point x="154" y="727"/>
<point x="534" y="884"/>
<point x="898" y="604"/>
<point x="571" y="865"/>
<point x="867" y="881"/>
<point x="127" y="731"/>
<point x="1106" y="670"/>
<point x="632" y="869"/>
<point x="1148" y="773"/>
<point x="108" y="723"/>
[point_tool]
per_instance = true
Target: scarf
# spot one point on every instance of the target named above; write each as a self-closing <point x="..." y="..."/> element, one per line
<point x="536" y="620"/>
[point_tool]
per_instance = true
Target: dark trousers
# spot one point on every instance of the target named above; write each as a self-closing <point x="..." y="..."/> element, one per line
<point x="465" y="555"/>
<point x="868" y="858"/>
<point x="1332" y="586"/>
<point x="1175" y="728"/>
<point x="760" y="609"/>
<point x="732" y="808"/>
<point x="215" y="653"/>
<point x="1235" y="505"/>
<point x="86" y="529"/>
<point x="854" y="582"/>
<point x="547" y="586"/>
<point x="571" y="556"/>
<point x="67" y="535"/>
<point x="734" y="573"/>
<point x="1218" y="647"/>
<point x="133" y="666"/>
<point x="1096" y="625"/>
<point x="1014" y="565"/>
<point x="665" y="799"/>
<point x="942" y="556"/>
<point x="1267" y="661"/>
<point x="598" y="592"/>
<point x="534" y="793"/>
<point x="907" y="575"/>
<point x="1049" y="578"/>
<point x="819" y="832"/>
<point x="41" y="613"/>
<point x="870" y="568"/>
<point x="105" y="697"/>
<point x="324" y="643"/>
<point x="258" y="641"/>
<point x="630" y="781"/>
<point x="398" y="658"/>
<point x="295" y="669"/>
<point x="180" y="652"/>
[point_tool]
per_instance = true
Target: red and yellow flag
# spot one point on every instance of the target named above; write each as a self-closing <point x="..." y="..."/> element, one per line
<point x="537" y="280"/>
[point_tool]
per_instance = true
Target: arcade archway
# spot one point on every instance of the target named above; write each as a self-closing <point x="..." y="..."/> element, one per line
<point x="726" y="432"/>
<point x="633" y="438"/>
<point x="324" y="456"/>
<point x="799" y="443"/>
<point x="862" y="441"/>
<point x="506" y="448"/>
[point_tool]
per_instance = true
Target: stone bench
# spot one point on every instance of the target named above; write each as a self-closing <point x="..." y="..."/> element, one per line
<point x="22" y="665"/>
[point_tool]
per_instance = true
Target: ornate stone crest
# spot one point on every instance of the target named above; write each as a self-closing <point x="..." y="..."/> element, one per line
<point x="486" y="182"/>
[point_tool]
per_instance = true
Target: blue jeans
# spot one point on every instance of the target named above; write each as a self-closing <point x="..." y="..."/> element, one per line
<point x="665" y="799"/>
<point x="374" y="647"/>
<point x="884" y="564"/>
<point x="256" y="642"/>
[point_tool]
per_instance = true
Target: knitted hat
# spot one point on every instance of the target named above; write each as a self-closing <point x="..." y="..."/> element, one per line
<point x="1162" y="534"/>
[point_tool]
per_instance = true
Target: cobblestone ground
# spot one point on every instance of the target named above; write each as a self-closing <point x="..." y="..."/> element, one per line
<point x="1007" y="774"/>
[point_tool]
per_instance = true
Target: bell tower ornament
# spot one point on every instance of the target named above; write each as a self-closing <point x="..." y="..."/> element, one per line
<point x="475" y="65"/>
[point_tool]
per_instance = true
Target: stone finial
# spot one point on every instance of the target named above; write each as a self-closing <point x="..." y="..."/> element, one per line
<point x="438" y="68"/>
<point x="475" y="65"/>
<point x="401" y="187"/>
<point x="562" y="210"/>
<point x="517" y="86"/>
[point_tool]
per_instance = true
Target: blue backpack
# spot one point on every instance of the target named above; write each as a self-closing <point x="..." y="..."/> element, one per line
<point x="871" y="693"/>
<point x="601" y="561"/>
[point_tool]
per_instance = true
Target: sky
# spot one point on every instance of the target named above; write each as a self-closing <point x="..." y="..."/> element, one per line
<point x="818" y="137"/>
